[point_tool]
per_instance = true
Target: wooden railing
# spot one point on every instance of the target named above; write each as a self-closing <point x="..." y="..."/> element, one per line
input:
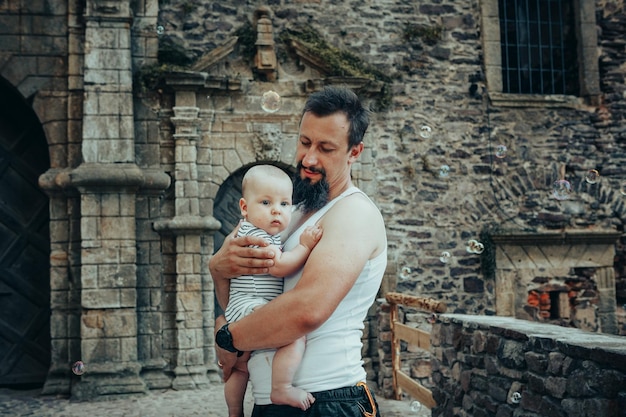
<point x="415" y="337"/>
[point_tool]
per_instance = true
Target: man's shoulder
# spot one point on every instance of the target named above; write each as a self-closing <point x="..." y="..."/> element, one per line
<point x="357" y="207"/>
<point x="357" y="199"/>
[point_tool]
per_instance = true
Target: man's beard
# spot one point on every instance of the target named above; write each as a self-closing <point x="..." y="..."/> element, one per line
<point x="309" y="196"/>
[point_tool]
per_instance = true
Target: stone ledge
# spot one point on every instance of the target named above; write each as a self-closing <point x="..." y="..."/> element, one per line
<point x="547" y="238"/>
<point x="598" y="347"/>
<point x="104" y="176"/>
<point x="184" y="225"/>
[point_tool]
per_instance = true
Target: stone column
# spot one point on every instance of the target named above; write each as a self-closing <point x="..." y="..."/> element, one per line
<point x="188" y="228"/>
<point x="605" y="280"/>
<point x="64" y="291"/>
<point x="107" y="182"/>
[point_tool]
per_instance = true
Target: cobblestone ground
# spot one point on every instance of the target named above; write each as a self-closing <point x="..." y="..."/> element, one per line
<point x="158" y="403"/>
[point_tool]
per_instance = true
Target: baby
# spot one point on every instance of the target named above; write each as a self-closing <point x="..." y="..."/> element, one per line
<point x="266" y="209"/>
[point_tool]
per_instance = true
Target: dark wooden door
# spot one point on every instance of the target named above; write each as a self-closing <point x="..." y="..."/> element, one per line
<point x="24" y="244"/>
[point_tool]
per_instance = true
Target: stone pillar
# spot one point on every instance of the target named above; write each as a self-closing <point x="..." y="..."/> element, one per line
<point x="188" y="229"/>
<point x="64" y="221"/>
<point x="605" y="280"/>
<point x="64" y="291"/>
<point x="107" y="182"/>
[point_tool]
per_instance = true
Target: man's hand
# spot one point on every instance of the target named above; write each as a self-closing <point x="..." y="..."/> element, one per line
<point x="236" y="257"/>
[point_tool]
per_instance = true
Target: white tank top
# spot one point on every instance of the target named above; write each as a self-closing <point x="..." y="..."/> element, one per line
<point x="332" y="358"/>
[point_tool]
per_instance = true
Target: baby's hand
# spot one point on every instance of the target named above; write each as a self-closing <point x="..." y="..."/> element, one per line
<point x="311" y="236"/>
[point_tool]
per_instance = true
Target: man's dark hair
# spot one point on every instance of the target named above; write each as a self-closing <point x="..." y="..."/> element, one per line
<point x="331" y="100"/>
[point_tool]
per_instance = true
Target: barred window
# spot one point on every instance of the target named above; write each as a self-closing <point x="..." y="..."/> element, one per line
<point x="538" y="47"/>
<point x="540" y="52"/>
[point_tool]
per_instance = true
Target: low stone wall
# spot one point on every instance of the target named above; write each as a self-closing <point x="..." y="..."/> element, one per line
<point x="501" y="367"/>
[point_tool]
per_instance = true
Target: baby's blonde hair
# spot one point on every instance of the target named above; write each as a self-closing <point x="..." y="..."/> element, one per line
<point x="262" y="172"/>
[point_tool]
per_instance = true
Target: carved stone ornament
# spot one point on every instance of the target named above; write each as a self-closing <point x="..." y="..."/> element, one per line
<point x="267" y="143"/>
<point x="265" y="59"/>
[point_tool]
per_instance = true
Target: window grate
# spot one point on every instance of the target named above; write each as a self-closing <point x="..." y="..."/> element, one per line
<point x="538" y="47"/>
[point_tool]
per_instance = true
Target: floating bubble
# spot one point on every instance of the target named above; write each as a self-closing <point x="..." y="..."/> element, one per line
<point x="445" y="257"/>
<point x="416" y="406"/>
<point x="561" y="189"/>
<point x="592" y="176"/>
<point x="432" y="319"/>
<point x="78" y="368"/>
<point x="160" y="30"/>
<point x="474" y="246"/>
<point x="271" y="101"/>
<point x="516" y="397"/>
<point x="500" y="151"/>
<point x="444" y="171"/>
<point x="405" y="273"/>
<point x="426" y="132"/>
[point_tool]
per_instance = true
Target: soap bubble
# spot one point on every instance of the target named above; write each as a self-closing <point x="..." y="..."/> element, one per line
<point x="561" y="189"/>
<point x="500" y="151"/>
<point x="271" y="101"/>
<point x="516" y="397"/>
<point x="474" y="246"/>
<point x="78" y="368"/>
<point x="445" y="257"/>
<point x="405" y="273"/>
<point x="444" y="171"/>
<point x="416" y="406"/>
<point x="592" y="176"/>
<point x="426" y="132"/>
<point x="160" y="30"/>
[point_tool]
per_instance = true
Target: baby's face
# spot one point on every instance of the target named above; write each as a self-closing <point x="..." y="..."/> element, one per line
<point x="268" y="205"/>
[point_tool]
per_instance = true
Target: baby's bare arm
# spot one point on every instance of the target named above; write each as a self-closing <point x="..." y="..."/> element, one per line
<point x="286" y="263"/>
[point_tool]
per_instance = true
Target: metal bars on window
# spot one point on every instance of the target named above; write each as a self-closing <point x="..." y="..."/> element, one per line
<point x="538" y="44"/>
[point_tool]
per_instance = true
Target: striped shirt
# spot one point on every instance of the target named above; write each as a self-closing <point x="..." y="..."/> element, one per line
<point x="250" y="291"/>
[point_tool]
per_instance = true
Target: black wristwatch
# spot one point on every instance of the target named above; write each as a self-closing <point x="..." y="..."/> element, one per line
<point x="224" y="339"/>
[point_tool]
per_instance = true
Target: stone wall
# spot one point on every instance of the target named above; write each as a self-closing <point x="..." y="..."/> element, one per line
<point x="79" y="63"/>
<point x="497" y="366"/>
<point x="441" y="84"/>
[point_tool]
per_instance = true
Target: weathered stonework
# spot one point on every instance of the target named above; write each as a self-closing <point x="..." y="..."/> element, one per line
<point x="138" y="170"/>
<point x="496" y="366"/>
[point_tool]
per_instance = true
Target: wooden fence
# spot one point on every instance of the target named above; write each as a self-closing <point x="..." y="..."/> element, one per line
<point x="416" y="337"/>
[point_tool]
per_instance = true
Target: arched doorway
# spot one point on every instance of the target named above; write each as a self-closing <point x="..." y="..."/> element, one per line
<point x="24" y="243"/>
<point x="226" y="206"/>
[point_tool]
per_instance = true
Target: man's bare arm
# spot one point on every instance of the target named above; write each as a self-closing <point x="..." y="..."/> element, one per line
<point x="353" y="233"/>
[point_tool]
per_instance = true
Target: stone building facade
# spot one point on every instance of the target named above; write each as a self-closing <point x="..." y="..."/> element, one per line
<point x="147" y="113"/>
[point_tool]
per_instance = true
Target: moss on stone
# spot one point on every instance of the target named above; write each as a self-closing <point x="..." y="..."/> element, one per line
<point x="430" y="35"/>
<point x="173" y="52"/>
<point x="149" y="77"/>
<point x="246" y="41"/>
<point x="340" y="62"/>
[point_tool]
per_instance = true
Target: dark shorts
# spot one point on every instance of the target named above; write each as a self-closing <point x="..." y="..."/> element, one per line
<point x="341" y="402"/>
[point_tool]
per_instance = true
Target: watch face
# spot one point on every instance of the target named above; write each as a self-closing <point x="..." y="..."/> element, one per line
<point x="224" y="339"/>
